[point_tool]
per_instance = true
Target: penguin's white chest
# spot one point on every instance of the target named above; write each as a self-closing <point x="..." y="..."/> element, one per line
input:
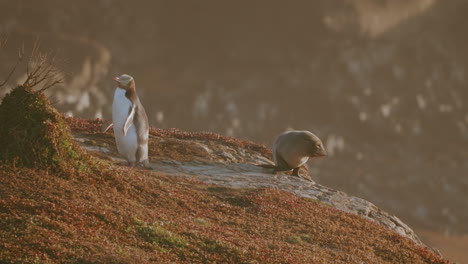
<point x="126" y="144"/>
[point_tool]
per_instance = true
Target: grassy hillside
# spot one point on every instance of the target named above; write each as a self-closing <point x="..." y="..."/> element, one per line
<point x="130" y="216"/>
<point x="114" y="214"/>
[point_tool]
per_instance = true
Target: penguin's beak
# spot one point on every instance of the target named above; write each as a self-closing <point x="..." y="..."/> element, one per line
<point x="117" y="79"/>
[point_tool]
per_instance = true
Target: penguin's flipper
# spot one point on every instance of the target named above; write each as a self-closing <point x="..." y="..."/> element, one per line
<point x="129" y="121"/>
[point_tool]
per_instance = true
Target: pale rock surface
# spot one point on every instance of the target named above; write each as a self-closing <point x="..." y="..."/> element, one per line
<point x="230" y="166"/>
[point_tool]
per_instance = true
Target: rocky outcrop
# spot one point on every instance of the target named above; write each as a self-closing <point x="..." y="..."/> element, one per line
<point x="224" y="161"/>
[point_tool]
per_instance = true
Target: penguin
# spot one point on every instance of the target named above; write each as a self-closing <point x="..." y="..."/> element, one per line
<point x="131" y="126"/>
<point x="292" y="149"/>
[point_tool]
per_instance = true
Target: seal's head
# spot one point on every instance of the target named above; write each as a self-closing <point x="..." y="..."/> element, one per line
<point x="125" y="81"/>
<point x="314" y="145"/>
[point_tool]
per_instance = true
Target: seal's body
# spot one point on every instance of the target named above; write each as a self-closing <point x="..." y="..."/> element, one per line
<point x="292" y="149"/>
<point x="131" y="127"/>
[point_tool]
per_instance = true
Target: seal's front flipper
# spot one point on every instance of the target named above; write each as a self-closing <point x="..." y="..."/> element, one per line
<point x="296" y="172"/>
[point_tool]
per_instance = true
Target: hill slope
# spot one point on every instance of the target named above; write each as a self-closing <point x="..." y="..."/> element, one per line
<point x="114" y="214"/>
<point x="134" y="216"/>
<point x="137" y="216"/>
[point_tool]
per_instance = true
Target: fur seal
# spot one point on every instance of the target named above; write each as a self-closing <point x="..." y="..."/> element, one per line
<point x="292" y="149"/>
<point x="131" y="126"/>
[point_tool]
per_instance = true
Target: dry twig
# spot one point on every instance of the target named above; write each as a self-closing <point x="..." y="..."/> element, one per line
<point x="20" y="58"/>
<point x="40" y="68"/>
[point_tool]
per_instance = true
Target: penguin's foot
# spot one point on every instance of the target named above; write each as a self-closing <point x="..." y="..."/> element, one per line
<point x="131" y="164"/>
<point x="146" y="164"/>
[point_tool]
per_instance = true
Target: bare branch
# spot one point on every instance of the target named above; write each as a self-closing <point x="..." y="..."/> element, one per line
<point x="11" y="73"/>
<point x="3" y="44"/>
<point x="40" y="68"/>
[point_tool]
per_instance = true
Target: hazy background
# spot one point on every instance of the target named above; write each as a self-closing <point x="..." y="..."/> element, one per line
<point x="382" y="82"/>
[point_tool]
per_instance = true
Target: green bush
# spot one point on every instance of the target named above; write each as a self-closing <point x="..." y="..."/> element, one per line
<point x="33" y="134"/>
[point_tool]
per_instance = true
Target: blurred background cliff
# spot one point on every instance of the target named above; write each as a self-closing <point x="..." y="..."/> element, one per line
<point x="382" y="82"/>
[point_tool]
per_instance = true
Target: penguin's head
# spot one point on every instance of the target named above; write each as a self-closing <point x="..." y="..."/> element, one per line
<point x="125" y="81"/>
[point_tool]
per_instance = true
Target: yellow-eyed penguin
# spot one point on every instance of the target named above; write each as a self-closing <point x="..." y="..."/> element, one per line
<point x="292" y="149"/>
<point x="131" y="127"/>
